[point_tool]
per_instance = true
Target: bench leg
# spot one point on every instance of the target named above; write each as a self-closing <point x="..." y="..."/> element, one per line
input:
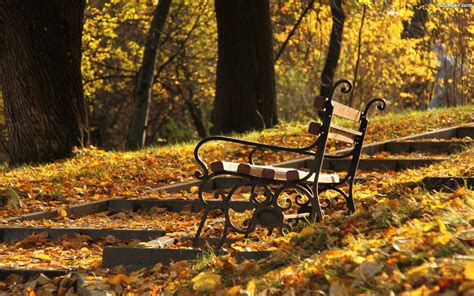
<point x="201" y="225"/>
<point x="350" y="200"/>
<point x="223" y="237"/>
<point x="316" y="210"/>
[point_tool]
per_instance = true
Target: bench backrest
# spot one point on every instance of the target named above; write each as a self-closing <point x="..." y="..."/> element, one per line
<point x="347" y="135"/>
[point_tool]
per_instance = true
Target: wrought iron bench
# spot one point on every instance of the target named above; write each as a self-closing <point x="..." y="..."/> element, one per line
<point x="274" y="181"/>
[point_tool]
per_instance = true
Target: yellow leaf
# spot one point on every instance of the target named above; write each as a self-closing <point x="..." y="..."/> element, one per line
<point x="469" y="270"/>
<point x="84" y="250"/>
<point x="443" y="239"/>
<point x="233" y="291"/>
<point x="359" y="259"/>
<point x="206" y="282"/>
<point x="194" y="189"/>
<point x="117" y="279"/>
<point x="442" y="227"/>
<point x="31" y="292"/>
<point x="43" y="256"/>
<point x="62" y="212"/>
<point x="251" y="288"/>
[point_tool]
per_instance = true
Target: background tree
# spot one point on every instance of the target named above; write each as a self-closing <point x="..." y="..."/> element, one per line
<point x="245" y="86"/>
<point x="143" y="85"/>
<point x="334" y="50"/>
<point x="41" y="78"/>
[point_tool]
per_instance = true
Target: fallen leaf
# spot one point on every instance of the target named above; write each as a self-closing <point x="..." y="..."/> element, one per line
<point x="469" y="270"/>
<point x="117" y="279"/>
<point x="369" y="269"/>
<point x="251" y="288"/>
<point x="206" y="282"/>
<point x="62" y="212"/>
<point x="43" y="256"/>
<point x="337" y="289"/>
<point x="194" y="189"/>
<point x="232" y="291"/>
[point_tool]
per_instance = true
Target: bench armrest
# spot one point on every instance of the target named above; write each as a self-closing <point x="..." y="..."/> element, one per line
<point x="257" y="146"/>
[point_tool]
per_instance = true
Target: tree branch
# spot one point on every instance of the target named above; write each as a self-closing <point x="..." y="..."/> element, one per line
<point x="293" y="30"/>
<point x="106" y="77"/>
<point x="180" y="48"/>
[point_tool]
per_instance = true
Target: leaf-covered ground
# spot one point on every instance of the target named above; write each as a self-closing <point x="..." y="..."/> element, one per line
<point x="402" y="239"/>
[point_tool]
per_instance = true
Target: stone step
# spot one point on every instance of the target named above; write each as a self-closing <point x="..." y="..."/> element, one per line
<point x="11" y="234"/>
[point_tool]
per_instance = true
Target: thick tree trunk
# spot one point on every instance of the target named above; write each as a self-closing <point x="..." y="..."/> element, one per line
<point x="144" y="82"/>
<point x="40" y="60"/>
<point x="245" y="85"/>
<point x="334" y="50"/>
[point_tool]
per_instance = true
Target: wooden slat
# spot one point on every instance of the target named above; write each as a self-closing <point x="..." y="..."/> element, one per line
<point x="256" y="170"/>
<point x="320" y="102"/>
<point x="220" y="166"/>
<point x="314" y="128"/>
<point x="217" y="166"/>
<point x="270" y="172"/>
<point x="341" y="137"/>
<point x="346" y="112"/>
<point x="335" y="132"/>
<point x="344" y="130"/>
<point x="296" y="216"/>
<point x="340" y="133"/>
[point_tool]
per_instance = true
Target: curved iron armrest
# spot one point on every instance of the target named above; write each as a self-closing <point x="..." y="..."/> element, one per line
<point x="257" y="146"/>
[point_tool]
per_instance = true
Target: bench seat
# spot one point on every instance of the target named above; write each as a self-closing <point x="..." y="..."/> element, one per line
<point x="270" y="172"/>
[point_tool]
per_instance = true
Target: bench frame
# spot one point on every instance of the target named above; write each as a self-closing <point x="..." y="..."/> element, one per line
<point x="268" y="212"/>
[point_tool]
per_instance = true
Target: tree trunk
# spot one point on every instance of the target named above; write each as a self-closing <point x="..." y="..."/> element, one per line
<point x="40" y="46"/>
<point x="359" y="46"/>
<point x="196" y="115"/>
<point x="416" y="27"/>
<point x="245" y="84"/>
<point x="334" y="50"/>
<point x="144" y="82"/>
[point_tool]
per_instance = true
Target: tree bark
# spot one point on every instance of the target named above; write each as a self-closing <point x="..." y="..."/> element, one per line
<point x="40" y="60"/>
<point x="144" y="81"/>
<point x="334" y="50"/>
<point x="196" y="115"/>
<point x="245" y="85"/>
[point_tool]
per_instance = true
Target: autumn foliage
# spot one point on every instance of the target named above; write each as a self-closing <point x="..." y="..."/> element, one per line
<point x="391" y="65"/>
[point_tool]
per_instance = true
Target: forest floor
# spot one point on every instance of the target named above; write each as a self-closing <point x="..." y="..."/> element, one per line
<point x="402" y="238"/>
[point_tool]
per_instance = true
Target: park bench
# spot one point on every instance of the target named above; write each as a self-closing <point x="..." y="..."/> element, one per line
<point x="267" y="207"/>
